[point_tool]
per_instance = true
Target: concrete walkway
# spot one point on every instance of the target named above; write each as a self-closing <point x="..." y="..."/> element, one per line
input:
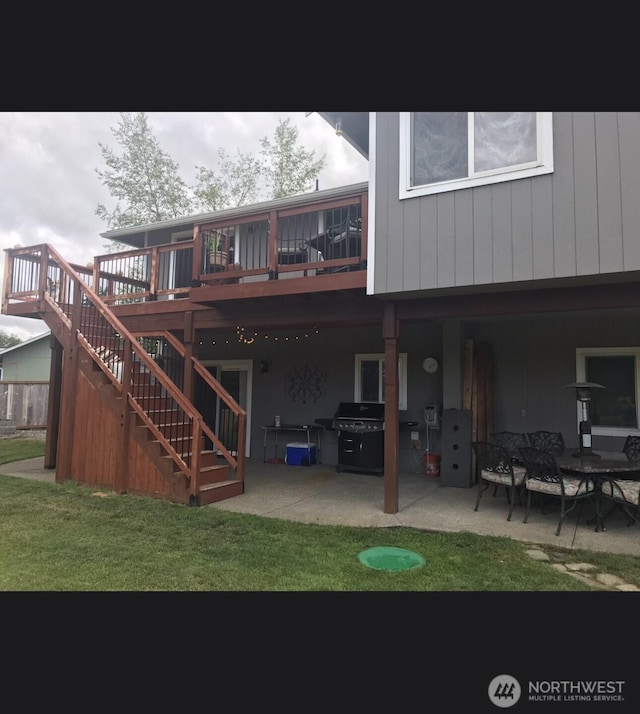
<point x="318" y="494"/>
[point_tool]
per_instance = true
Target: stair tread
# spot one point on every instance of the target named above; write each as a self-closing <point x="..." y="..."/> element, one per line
<point x="190" y="453"/>
<point x="218" y="484"/>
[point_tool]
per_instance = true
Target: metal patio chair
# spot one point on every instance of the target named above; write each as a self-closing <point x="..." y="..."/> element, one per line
<point x="551" y="441"/>
<point x="624" y="493"/>
<point x="544" y="477"/>
<point x="511" y="440"/>
<point x="494" y="464"/>
<point x="632" y="447"/>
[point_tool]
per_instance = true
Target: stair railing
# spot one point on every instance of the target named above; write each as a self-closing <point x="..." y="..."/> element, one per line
<point x="50" y="280"/>
<point x="165" y="344"/>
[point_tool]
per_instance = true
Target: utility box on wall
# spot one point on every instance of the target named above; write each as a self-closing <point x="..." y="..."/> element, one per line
<point x="455" y="460"/>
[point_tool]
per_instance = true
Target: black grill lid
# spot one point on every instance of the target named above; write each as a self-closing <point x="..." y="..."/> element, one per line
<point x="360" y="410"/>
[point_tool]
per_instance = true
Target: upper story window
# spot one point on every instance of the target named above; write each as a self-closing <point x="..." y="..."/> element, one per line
<point x="445" y="151"/>
<point x="613" y="411"/>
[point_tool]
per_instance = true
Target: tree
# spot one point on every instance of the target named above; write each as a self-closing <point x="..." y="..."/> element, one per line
<point x="143" y="177"/>
<point x="8" y="340"/>
<point x="146" y="179"/>
<point x="289" y="169"/>
<point x="236" y="184"/>
<point x="286" y="169"/>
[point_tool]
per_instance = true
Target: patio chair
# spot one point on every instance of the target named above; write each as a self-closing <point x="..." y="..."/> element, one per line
<point x="494" y="464"/>
<point x="551" y="441"/>
<point x="624" y="493"/>
<point x="511" y="440"/>
<point x="543" y="476"/>
<point x="632" y="447"/>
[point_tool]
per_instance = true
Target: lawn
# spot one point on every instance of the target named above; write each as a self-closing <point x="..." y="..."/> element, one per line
<point x="69" y="537"/>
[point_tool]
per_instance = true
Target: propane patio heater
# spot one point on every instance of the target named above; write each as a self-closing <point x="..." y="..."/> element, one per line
<point x="583" y="395"/>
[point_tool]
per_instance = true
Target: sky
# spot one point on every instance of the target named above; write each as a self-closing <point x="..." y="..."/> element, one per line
<point x="49" y="188"/>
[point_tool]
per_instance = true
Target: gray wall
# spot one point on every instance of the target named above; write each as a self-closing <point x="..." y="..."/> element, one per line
<point x="583" y="219"/>
<point x="333" y="352"/>
<point x="535" y="358"/>
<point x="533" y="361"/>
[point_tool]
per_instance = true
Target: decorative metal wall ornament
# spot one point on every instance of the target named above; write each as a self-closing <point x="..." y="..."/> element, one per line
<point x="305" y="383"/>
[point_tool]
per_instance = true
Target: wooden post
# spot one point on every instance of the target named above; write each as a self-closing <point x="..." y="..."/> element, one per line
<point x="188" y="339"/>
<point x="197" y="256"/>
<point x="153" y="278"/>
<point x="8" y="272"/>
<point x="122" y="477"/>
<point x="42" y="286"/>
<point x="53" y="404"/>
<point x="390" y="333"/>
<point x="70" y="370"/>
<point x="273" y="244"/>
<point x="467" y="395"/>
<point x="467" y="377"/>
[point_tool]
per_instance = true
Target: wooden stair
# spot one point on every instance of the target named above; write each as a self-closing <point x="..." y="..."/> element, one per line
<point x="122" y="417"/>
<point x="216" y="482"/>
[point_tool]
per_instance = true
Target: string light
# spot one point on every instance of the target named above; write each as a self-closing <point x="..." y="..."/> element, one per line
<point x="248" y="338"/>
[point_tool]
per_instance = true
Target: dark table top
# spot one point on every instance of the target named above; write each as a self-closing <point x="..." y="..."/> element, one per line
<point x="610" y="462"/>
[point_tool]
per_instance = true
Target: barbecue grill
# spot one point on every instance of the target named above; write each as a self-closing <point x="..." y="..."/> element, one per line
<point x="360" y="428"/>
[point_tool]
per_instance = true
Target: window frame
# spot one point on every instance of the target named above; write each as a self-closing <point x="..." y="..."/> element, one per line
<point x="543" y="164"/>
<point x="581" y="375"/>
<point x="379" y="357"/>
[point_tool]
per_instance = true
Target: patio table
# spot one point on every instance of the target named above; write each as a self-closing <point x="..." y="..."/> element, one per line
<point x="309" y="429"/>
<point x="605" y="464"/>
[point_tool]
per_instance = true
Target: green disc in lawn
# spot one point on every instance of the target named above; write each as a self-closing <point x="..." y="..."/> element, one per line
<point x="390" y="558"/>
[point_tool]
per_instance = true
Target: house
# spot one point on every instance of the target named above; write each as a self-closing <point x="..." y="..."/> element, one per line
<point x="24" y="381"/>
<point x="28" y="361"/>
<point x="490" y="261"/>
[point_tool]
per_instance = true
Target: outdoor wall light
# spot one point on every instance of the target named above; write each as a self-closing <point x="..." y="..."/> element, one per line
<point x="583" y="395"/>
<point x="264" y="367"/>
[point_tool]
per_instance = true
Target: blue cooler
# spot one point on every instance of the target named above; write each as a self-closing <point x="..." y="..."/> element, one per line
<point x="300" y="453"/>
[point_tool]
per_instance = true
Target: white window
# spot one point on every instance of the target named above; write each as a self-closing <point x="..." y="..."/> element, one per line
<point x="369" y="379"/>
<point x="445" y="151"/>
<point x="613" y="411"/>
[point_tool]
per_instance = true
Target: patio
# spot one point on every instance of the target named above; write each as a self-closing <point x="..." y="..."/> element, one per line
<point x="319" y="494"/>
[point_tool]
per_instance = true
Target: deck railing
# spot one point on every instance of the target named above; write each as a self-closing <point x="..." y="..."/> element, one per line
<point x="319" y="239"/>
<point x="308" y="241"/>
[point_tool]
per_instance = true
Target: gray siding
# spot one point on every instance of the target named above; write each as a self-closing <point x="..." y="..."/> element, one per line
<point x="28" y="362"/>
<point x="581" y="221"/>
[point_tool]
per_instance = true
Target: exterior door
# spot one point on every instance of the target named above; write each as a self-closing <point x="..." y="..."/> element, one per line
<point x="236" y="377"/>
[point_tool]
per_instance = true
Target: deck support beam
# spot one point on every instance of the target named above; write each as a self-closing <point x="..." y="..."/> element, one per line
<point x="391" y="334"/>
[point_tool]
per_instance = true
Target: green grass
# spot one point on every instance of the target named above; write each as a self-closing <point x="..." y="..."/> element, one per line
<point x="18" y="449"/>
<point x="63" y="537"/>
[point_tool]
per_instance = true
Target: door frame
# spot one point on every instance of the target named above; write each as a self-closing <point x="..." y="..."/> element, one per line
<point x="238" y="365"/>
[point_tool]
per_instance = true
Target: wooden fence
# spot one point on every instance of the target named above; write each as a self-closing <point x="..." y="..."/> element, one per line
<point x="24" y="403"/>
